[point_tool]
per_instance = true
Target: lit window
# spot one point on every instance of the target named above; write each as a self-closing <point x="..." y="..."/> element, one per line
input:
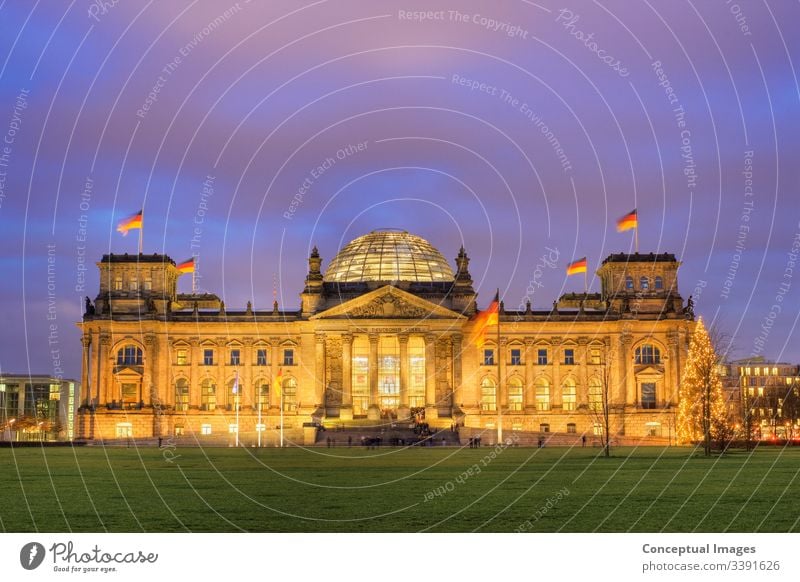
<point x="568" y="394"/>
<point x="118" y="283"/>
<point x="288" y="357"/>
<point x="208" y="395"/>
<point x="124" y="430"/>
<point x="756" y="371"/>
<point x="541" y="357"/>
<point x="648" y="354"/>
<point x="597" y="429"/>
<point x="594" y="356"/>
<point x="542" y="394"/>
<point x="644" y="283"/>
<point x="181" y="395"/>
<point x="262" y="396"/>
<point x="516" y="357"/>
<point x="129" y="356"/>
<point x="182" y="357"/>
<point x="233" y="428"/>
<point x="261" y="357"/>
<point x="205" y="429"/>
<point x="595" y="394"/>
<point x="235" y="357"/>
<point x="515" y="394"/>
<point x="544" y="427"/>
<point x="571" y="428"/>
<point x="134" y="285"/>
<point x="488" y="394"/>
<point x="648" y="395"/>
<point x="178" y="430"/>
<point x="208" y="357"/>
<point x="569" y="357"/>
<point x="148" y="284"/>
<point x="289" y="392"/>
<point x="488" y="357"/>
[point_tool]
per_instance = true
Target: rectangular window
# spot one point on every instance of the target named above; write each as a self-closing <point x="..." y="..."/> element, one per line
<point x="178" y="430"/>
<point x="569" y="357"/>
<point x="234" y="357"/>
<point x="148" y="284"/>
<point x="516" y="357"/>
<point x="130" y="393"/>
<point x="488" y="357"/>
<point x="288" y="357"/>
<point x="541" y="357"/>
<point x="182" y="357"/>
<point x="124" y="430"/>
<point x="118" y="284"/>
<point x="205" y="429"/>
<point x="261" y="357"/>
<point x="571" y="428"/>
<point x="648" y="395"/>
<point x="594" y="356"/>
<point x="208" y="357"/>
<point x="134" y="285"/>
<point x="544" y="428"/>
<point x="233" y="428"/>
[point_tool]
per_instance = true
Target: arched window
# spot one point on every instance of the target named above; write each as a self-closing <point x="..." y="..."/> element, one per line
<point x="208" y="394"/>
<point x="595" y="394"/>
<point x="181" y="394"/>
<point x="129" y="355"/>
<point x="515" y="394"/>
<point x="648" y="354"/>
<point x="568" y="394"/>
<point x="659" y="283"/>
<point x="262" y="395"/>
<point x="234" y="394"/>
<point x="629" y="283"/>
<point x="644" y="283"/>
<point x="289" y="388"/>
<point x="488" y="394"/>
<point x="542" y="394"/>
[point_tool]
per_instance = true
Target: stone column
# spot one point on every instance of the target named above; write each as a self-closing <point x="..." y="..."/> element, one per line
<point x="402" y="339"/>
<point x="149" y="392"/>
<point x="320" y="384"/>
<point x="275" y="365"/>
<point x="431" y="411"/>
<point x="671" y="378"/>
<point x="582" y="389"/>
<point x="223" y="394"/>
<point x="246" y="387"/>
<point x="502" y="385"/>
<point x="373" y="370"/>
<point x="529" y="397"/>
<point x="104" y="378"/>
<point x="194" y="374"/>
<point x="555" y="388"/>
<point x="458" y="341"/>
<point x="346" y="411"/>
<point x="626" y="369"/>
<point x="86" y="342"/>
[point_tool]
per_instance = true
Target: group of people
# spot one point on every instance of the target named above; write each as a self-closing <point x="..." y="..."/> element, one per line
<point x="475" y="442"/>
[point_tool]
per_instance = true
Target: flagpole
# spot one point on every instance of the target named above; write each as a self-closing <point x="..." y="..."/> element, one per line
<point x="141" y="231"/>
<point x="259" y="423"/>
<point x="194" y="278"/>
<point x="499" y="376"/>
<point x="281" y="417"/>
<point x="236" y="404"/>
<point x="636" y="235"/>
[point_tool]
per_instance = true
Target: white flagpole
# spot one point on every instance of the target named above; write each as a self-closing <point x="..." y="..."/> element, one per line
<point x="141" y="233"/>
<point x="258" y="426"/>
<point x="236" y="404"/>
<point x="498" y="397"/>
<point x="281" y="416"/>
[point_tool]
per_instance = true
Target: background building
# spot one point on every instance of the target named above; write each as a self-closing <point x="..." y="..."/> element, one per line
<point x="767" y="394"/>
<point x="34" y="408"/>
<point x="386" y="332"/>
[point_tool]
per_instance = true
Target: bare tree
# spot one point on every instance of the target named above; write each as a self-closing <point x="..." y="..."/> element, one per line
<point x="601" y="402"/>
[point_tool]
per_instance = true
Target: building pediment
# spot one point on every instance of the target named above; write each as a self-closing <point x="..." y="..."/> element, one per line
<point x="388" y="303"/>
<point x="650" y="371"/>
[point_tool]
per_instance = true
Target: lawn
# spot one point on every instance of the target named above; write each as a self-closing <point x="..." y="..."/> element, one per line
<point x="355" y="490"/>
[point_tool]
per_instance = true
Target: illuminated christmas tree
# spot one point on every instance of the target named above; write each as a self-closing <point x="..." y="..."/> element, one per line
<point x="701" y="410"/>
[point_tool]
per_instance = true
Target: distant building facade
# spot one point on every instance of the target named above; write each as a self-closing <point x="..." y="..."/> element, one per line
<point x="387" y="331"/>
<point x="34" y="408"/>
<point x="765" y="393"/>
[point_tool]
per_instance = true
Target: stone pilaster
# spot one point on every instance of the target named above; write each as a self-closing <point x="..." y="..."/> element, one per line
<point x="86" y="343"/>
<point x="529" y="395"/>
<point x="105" y="380"/>
<point x="194" y="373"/>
<point x="402" y="340"/>
<point x="373" y="370"/>
<point x="431" y="410"/>
<point x="149" y="393"/>
<point x="458" y="373"/>
<point x="346" y="411"/>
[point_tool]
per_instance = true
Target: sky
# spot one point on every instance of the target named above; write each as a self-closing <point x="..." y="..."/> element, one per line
<point x="252" y="131"/>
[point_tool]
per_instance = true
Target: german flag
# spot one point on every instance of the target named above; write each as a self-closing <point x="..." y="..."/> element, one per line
<point x="186" y="266"/>
<point x="133" y="221"/>
<point x="576" y="267"/>
<point x="485" y="320"/>
<point x="278" y="383"/>
<point x="629" y="221"/>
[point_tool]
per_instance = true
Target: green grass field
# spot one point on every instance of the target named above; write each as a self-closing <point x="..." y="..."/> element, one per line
<point x="355" y="490"/>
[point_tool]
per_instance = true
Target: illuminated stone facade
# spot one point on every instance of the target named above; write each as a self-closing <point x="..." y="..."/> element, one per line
<point x="395" y="343"/>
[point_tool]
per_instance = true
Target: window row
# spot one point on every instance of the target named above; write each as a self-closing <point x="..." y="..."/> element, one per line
<point x="133" y="283"/>
<point x="542" y="358"/>
<point x="211" y="397"/>
<point x="131" y="355"/>
<point x="644" y="283"/>
<point x="542" y="396"/>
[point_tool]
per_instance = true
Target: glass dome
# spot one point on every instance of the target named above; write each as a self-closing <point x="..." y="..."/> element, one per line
<point x="388" y="255"/>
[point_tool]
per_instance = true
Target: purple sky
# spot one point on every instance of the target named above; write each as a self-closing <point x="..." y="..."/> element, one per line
<point x="570" y="123"/>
